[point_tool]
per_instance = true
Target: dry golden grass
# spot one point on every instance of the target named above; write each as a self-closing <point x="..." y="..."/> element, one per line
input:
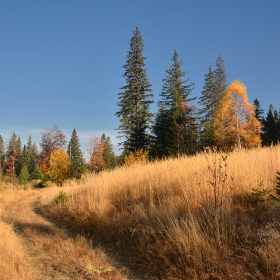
<point x="12" y="261"/>
<point x="208" y="216"/>
<point x="40" y="250"/>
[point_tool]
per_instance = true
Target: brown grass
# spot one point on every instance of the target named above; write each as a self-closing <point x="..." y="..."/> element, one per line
<point x="204" y="217"/>
<point x="33" y="248"/>
<point x="12" y="262"/>
<point x="211" y="216"/>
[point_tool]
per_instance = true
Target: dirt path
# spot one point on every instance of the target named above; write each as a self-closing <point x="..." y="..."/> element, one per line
<point x="54" y="253"/>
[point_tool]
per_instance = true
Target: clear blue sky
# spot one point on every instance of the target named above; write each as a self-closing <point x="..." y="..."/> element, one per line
<point x="61" y="60"/>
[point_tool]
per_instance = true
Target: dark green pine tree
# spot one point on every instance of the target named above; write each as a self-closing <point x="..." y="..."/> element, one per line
<point x="258" y="110"/>
<point x="209" y="100"/>
<point x="23" y="175"/>
<point x="38" y="174"/>
<point x="271" y="129"/>
<point x="29" y="157"/>
<point x="161" y="143"/>
<point x="19" y="151"/>
<point x="174" y="127"/>
<point x="221" y="77"/>
<point x="25" y="157"/>
<point x="2" y="154"/>
<point x="134" y="99"/>
<point x="77" y="164"/>
<point x="109" y="155"/>
<point x="211" y="95"/>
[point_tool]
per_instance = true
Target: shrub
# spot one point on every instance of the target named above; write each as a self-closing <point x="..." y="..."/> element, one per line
<point x="61" y="197"/>
<point x="138" y="157"/>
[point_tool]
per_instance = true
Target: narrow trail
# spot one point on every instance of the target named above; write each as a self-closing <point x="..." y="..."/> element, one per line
<point x="55" y="253"/>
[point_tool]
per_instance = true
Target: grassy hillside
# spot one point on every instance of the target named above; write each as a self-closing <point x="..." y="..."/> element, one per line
<point x="211" y="216"/>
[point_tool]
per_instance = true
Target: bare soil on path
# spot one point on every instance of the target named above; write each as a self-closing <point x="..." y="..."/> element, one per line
<point x="55" y="253"/>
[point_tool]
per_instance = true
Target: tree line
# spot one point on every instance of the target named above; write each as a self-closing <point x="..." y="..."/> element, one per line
<point x="56" y="161"/>
<point x="225" y="119"/>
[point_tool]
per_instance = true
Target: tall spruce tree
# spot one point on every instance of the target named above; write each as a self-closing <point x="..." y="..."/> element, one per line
<point x="271" y="127"/>
<point x="77" y="164"/>
<point x="161" y="144"/>
<point x="174" y="127"/>
<point x="29" y="157"/>
<point x="135" y="98"/>
<point x="210" y="102"/>
<point x="221" y="77"/>
<point x="211" y="95"/>
<point x="258" y="110"/>
<point x="2" y="154"/>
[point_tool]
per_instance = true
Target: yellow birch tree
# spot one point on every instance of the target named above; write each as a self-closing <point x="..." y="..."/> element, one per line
<point x="235" y="124"/>
<point x="59" y="166"/>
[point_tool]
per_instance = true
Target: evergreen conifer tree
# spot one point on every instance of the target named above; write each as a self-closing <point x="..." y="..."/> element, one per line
<point x="161" y="144"/>
<point x="135" y="98"/>
<point x="210" y="102"/>
<point x="2" y="154"/>
<point x="29" y="155"/>
<point x="23" y="175"/>
<point x="174" y="127"/>
<point x="258" y="110"/>
<point x="77" y="164"/>
<point x="211" y="95"/>
<point x="271" y="129"/>
<point x="109" y="155"/>
<point x="221" y="78"/>
<point x="38" y="173"/>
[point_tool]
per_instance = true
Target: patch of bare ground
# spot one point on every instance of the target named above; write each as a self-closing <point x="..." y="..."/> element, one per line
<point x="51" y="251"/>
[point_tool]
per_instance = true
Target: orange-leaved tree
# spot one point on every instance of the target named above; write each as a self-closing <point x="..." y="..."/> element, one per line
<point x="59" y="166"/>
<point x="96" y="150"/>
<point x="235" y="124"/>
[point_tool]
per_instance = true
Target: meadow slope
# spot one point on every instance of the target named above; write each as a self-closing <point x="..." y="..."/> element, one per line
<point x="210" y="216"/>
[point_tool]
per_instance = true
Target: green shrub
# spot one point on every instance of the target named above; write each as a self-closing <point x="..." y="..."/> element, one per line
<point x="61" y="197"/>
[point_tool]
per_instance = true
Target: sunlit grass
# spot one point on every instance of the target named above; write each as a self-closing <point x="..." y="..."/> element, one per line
<point x="188" y="218"/>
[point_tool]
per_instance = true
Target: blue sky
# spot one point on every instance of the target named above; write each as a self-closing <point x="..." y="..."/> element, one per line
<point x="61" y="60"/>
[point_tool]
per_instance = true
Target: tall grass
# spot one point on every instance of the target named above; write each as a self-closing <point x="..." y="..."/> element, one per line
<point x="13" y="263"/>
<point x="210" y="216"/>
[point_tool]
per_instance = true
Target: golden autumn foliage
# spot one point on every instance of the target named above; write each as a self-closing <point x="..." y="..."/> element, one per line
<point x="137" y="157"/>
<point x="59" y="166"/>
<point x="235" y="124"/>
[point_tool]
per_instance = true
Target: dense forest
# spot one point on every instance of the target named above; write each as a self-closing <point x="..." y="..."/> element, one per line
<point x="220" y="118"/>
